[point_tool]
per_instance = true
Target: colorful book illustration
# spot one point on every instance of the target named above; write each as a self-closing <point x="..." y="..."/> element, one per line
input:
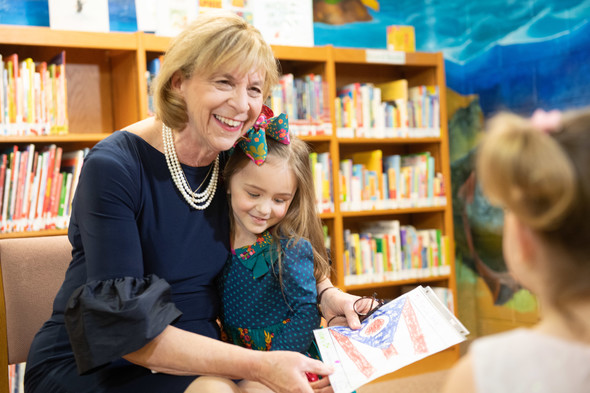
<point x="409" y="328"/>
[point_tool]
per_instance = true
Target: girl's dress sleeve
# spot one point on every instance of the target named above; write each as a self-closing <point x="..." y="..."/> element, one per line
<point x="120" y="307"/>
<point x="300" y="294"/>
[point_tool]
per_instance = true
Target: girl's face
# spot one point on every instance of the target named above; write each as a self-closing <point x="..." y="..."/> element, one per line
<point x="260" y="197"/>
<point x="222" y="107"/>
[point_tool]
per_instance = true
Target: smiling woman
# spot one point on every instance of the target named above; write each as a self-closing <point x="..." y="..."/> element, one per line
<point x="149" y="229"/>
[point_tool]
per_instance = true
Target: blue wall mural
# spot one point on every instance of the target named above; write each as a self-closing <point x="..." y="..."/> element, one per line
<point x="515" y="55"/>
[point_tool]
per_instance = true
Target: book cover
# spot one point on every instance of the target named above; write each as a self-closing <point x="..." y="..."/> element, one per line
<point x="79" y="15"/>
<point x="373" y="161"/>
<point x="394" y="90"/>
<point x="24" y="12"/>
<point x="284" y="22"/>
<point x="401" y="38"/>
<point x="72" y="163"/>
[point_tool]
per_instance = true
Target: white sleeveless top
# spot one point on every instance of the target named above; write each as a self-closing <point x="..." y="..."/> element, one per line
<point x="525" y="361"/>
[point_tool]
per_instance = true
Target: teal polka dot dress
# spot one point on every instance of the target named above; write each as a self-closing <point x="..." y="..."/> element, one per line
<point x="256" y="313"/>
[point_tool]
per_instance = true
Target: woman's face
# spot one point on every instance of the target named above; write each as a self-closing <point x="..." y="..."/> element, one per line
<point x="223" y="106"/>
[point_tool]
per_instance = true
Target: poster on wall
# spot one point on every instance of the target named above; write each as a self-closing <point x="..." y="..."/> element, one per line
<point x="79" y="15"/>
<point x="174" y="15"/>
<point x="284" y="22"/>
<point x="147" y="17"/>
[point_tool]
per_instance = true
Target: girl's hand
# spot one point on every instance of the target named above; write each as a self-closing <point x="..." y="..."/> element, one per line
<point x="338" y="308"/>
<point x="285" y="371"/>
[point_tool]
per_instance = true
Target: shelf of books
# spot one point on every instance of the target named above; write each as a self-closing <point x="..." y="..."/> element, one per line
<point x="393" y="217"/>
<point x="61" y="93"/>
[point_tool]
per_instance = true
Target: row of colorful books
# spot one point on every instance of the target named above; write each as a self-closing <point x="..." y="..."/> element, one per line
<point x="37" y="187"/>
<point x="321" y="167"/>
<point x="16" y="378"/>
<point x="387" y="110"/>
<point x="371" y="181"/>
<point x="33" y="96"/>
<point x="388" y="251"/>
<point x="305" y="101"/>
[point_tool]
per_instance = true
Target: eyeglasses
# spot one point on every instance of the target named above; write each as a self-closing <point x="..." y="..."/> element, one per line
<point x="361" y="309"/>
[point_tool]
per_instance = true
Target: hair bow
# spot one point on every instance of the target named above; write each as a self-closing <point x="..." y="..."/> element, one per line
<point x="547" y="122"/>
<point x="254" y="142"/>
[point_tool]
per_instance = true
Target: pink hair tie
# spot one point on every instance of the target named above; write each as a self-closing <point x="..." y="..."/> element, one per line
<point x="546" y="122"/>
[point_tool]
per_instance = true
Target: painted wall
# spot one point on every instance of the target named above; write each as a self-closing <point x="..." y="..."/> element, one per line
<point x="511" y="55"/>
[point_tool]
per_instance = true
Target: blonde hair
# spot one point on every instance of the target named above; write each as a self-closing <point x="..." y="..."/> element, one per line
<point x="301" y="220"/>
<point x="213" y="41"/>
<point x="544" y="180"/>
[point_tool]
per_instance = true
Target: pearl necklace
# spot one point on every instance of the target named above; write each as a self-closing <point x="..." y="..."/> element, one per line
<point x="196" y="200"/>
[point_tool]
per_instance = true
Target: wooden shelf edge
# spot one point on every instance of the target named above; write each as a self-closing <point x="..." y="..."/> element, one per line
<point x="45" y="36"/>
<point x="155" y="43"/>
<point x="397" y="283"/>
<point x="308" y="54"/>
<point x="66" y="138"/>
<point x="356" y="141"/>
<point x="47" y="232"/>
<point x="358" y="56"/>
<point x="409" y="210"/>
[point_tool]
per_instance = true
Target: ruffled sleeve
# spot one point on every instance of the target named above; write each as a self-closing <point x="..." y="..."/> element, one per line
<point x="110" y="318"/>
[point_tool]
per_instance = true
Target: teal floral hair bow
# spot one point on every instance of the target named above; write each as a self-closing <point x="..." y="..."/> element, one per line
<point x="254" y="142"/>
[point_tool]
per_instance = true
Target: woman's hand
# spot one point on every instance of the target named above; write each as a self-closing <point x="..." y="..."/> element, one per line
<point x="322" y="386"/>
<point x="284" y="372"/>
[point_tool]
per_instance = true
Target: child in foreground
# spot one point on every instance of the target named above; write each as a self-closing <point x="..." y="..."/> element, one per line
<point x="538" y="170"/>
<point x="268" y="286"/>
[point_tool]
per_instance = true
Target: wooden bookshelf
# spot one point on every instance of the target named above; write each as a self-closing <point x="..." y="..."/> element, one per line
<point x="107" y="90"/>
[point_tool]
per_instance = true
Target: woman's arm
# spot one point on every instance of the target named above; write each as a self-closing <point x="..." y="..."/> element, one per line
<point x="179" y="352"/>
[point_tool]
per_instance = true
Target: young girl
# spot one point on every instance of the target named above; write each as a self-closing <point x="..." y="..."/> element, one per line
<point x="538" y="170"/>
<point x="268" y="285"/>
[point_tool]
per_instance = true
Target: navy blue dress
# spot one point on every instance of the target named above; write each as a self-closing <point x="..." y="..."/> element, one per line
<point x="142" y="259"/>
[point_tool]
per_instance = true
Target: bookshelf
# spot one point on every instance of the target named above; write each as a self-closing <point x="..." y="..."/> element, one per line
<point x="107" y="89"/>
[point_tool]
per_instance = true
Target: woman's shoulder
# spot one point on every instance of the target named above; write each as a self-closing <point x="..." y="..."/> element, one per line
<point x="119" y="148"/>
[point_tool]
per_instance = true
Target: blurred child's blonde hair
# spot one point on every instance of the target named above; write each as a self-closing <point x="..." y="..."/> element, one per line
<point x="543" y="178"/>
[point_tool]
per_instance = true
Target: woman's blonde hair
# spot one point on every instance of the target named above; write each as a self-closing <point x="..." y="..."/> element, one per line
<point x="214" y="41"/>
<point x="544" y="180"/>
<point x="302" y="219"/>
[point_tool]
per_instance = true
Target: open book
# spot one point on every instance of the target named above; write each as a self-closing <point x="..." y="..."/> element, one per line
<point x="403" y="331"/>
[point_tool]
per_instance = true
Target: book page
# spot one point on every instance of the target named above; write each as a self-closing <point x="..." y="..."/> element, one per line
<point x="284" y="22"/>
<point x="79" y="15"/>
<point x="403" y="331"/>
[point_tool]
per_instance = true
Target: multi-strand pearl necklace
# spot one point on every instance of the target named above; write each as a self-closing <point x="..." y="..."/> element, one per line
<point x="196" y="200"/>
